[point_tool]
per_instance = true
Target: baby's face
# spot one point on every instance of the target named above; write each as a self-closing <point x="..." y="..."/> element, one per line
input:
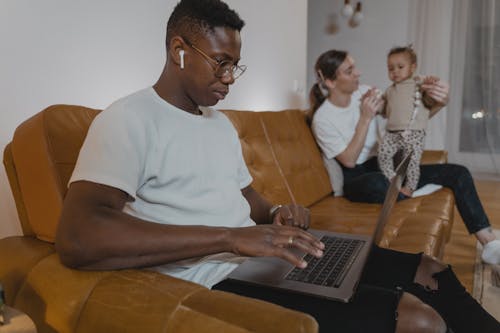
<point x="399" y="67"/>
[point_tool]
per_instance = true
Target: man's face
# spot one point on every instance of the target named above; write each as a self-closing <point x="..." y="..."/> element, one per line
<point x="201" y="84"/>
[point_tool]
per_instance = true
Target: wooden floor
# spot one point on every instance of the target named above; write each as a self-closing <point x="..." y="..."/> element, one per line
<point x="461" y="250"/>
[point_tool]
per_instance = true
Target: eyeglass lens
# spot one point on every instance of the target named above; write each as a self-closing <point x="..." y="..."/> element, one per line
<point x="227" y="67"/>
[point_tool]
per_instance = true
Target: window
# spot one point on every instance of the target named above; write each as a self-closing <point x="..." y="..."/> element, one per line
<point x="480" y="119"/>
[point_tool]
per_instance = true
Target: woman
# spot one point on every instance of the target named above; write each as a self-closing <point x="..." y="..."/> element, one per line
<point x="344" y="126"/>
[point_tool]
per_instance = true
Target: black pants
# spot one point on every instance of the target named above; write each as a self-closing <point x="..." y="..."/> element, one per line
<point x="366" y="183"/>
<point x="373" y="308"/>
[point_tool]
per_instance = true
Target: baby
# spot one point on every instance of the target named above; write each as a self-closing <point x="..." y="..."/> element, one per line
<point x="407" y="112"/>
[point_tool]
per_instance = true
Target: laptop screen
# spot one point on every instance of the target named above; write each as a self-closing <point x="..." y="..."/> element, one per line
<point x="391" y="198"/>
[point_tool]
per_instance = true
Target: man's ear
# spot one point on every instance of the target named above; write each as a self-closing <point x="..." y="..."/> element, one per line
<point x="176" y="51"/>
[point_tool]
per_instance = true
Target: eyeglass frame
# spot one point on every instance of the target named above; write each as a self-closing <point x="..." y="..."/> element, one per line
<point x="218" y="65"/>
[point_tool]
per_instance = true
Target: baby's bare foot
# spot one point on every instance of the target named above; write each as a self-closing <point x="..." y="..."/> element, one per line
<point x="406" y="191"/>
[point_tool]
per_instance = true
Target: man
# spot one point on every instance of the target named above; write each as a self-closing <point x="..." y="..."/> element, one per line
<point x="161" y="183"/>
<point x="132" y="200"/>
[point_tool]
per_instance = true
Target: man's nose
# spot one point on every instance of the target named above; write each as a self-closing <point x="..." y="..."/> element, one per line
<point x="227" y="78"/>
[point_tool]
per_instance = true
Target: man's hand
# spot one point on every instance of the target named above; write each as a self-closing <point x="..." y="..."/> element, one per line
<point x="292" y="215"/>
<point x="274" y="241"/>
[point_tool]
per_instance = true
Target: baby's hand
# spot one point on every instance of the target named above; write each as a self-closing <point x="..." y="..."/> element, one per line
<point x="429" y="79"/>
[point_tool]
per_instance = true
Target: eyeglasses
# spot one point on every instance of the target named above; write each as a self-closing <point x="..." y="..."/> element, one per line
<point x="222" y="68"/>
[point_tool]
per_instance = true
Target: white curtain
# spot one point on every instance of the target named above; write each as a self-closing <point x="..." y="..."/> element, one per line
<point x="475" y="96"/>
<point x="430" y="30"/>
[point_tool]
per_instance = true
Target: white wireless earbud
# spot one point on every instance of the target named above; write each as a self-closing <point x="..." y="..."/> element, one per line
<point x="181" y="54"/>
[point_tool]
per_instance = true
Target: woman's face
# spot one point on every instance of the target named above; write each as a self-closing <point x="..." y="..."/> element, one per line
<point x="347" y="80"/>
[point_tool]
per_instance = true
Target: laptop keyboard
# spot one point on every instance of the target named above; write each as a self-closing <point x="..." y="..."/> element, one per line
<point x="332" y="267"/>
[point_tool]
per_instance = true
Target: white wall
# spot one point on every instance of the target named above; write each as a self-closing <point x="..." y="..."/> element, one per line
<point x="275" y="51"/>
<point x="92" y="52"/>
<point x="384" y="26"/>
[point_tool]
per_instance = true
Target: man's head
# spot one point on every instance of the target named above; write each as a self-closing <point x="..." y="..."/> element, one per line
<point x="203" y="51"/>
<point x="192" y="18"/>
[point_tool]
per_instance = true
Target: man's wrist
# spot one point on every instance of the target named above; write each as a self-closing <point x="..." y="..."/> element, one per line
<point x="273" y="211"/>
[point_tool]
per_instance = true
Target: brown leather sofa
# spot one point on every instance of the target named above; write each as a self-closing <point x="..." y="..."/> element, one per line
<point x="285" y="163"/>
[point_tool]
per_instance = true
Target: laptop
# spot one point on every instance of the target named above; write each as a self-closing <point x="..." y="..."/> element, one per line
<point x="337" y="273"/>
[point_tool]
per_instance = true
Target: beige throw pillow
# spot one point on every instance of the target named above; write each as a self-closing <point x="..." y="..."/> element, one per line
<point x="336" y="176"/>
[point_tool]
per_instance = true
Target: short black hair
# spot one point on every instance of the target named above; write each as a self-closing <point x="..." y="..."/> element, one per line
<point x="192" y="17"/>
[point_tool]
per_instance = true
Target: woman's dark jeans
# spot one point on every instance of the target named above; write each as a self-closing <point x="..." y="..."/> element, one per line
<point x="366" y="183"/>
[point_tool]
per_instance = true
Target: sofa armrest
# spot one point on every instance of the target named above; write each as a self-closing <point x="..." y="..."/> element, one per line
<point x="434" y="157"/>
<point x="65" y="300"/>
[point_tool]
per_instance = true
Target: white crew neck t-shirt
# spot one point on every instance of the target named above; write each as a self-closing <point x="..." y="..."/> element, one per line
<point x="334" y="128"/>
<point x="179" y="168"/>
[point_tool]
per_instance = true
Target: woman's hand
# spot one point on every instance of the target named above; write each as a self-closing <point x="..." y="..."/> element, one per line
<point x="292" y="215"/>
<point x="436" y="89"/>
<point x="275" y="241"/>
<point x="371" y="103"/>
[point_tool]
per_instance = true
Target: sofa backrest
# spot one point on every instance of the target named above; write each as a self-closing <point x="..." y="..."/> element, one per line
<point x="278" y="148"/>
<point x="39" y="162"/>
<point x="282" y="156"/>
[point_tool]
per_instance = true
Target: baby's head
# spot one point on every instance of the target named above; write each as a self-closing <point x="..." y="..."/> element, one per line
<point x="401" y="63"/>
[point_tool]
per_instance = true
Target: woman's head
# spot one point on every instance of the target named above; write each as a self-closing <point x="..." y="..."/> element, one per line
<point x="328" y="63"/>
<point x="401" y="63"/>
<point x="334" y="70"/>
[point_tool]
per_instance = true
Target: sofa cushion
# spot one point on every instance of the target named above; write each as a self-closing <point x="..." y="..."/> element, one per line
<point x="282" y="156"/>
<point x="59" y="299"/>
<point x="421" y="224"/>
<point x="44" y="151"/>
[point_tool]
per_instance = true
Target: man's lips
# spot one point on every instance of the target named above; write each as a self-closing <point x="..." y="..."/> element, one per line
<point x="221" y="94"/>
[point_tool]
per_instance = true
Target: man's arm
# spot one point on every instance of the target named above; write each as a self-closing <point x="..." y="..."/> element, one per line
<point x="293" y="214"/>
<point x="259" y="206"/>
<point x="94" y="233"/>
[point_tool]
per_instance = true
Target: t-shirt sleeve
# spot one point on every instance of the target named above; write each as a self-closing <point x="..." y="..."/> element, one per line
<point x="244" y="176"/>
<point x="328" y="137"/>
<point x="113" y="153"/>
